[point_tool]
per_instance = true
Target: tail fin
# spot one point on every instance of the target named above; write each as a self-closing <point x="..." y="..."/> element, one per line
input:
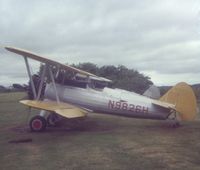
<point x="182" y="96"/>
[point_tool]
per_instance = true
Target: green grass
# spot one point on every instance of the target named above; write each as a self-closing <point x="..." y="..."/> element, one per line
<point x="104" y="143"/>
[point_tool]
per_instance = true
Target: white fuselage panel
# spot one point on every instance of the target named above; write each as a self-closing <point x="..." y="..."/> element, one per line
<point x="111" y="101"/>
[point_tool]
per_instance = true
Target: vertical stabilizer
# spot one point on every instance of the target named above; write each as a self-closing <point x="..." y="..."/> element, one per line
<point x="182" y="96"/>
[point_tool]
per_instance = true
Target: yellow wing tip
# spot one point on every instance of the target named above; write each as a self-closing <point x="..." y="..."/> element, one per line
<point x="25" y="102"/>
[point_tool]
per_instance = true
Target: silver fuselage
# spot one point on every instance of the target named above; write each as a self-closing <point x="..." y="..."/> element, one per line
<point x="107" y="100"/>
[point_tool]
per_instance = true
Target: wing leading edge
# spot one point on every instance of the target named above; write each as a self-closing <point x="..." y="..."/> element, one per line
<point x="63" y="109"/>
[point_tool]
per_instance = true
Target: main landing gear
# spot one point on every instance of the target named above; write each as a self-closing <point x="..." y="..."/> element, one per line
<point x="38" y="124"/>
<point x="52" y="120"/>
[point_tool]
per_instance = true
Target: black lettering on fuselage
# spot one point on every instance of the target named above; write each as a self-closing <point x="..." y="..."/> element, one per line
<point x="125" y="106"/>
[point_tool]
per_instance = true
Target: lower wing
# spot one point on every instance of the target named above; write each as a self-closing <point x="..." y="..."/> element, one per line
<point x="63" y="109"/>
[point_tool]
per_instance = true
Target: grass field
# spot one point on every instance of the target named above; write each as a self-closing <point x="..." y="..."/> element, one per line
<point x="104" y="143"/>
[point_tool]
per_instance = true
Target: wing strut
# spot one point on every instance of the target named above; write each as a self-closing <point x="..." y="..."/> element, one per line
<point x="54" y="85"/>
<point x="42" y="81"/>
<point x="30" y="77"/>
<point x="37" y="96"/>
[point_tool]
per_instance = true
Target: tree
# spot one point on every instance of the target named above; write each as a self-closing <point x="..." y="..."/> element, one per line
<point x="19" y="87"/>
<point x="122" y="77"/>
<point x="89" y="67"/>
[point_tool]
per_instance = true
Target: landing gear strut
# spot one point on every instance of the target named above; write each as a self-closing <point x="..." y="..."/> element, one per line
<point x="174" y="118"/>
<point x="52" y="119"/>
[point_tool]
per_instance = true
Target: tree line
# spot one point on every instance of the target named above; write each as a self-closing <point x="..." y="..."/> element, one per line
<point x="121" y="76"/>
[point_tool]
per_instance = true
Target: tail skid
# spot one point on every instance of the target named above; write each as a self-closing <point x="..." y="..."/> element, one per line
<point x="182" y="96"/>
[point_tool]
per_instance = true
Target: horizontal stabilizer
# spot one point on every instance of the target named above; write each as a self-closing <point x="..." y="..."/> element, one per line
<point x="63" y="109"/>
<point x="163" y="104"/>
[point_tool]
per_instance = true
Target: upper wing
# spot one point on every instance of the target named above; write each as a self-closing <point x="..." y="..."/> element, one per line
<point x="52" y="62"/>
<point x="63" y="109"/>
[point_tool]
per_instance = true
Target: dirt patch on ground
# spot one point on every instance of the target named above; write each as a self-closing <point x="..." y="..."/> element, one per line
<point x="87" y="125"/>
<point x="161" y="153"/>
<point x="34" y="150"/>
<point x="15" y="128"/>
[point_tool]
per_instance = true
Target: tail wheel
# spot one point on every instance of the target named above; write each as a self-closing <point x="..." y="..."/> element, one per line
<point x="38" y="124"/>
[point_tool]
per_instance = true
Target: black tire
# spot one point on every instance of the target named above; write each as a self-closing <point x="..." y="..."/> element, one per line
<point x="38" y="124"/>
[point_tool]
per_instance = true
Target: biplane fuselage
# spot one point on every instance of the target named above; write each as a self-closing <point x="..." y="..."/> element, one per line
<point x="109" y="101"/>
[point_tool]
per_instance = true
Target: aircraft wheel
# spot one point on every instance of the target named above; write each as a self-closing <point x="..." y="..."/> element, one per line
<point x="38" y="124"/>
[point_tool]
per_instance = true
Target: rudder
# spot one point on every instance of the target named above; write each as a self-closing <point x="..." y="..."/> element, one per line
<point x="182" y="96"/>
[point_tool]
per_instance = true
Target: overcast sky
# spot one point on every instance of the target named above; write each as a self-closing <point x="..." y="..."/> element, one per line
<point x="160" y="38"/>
